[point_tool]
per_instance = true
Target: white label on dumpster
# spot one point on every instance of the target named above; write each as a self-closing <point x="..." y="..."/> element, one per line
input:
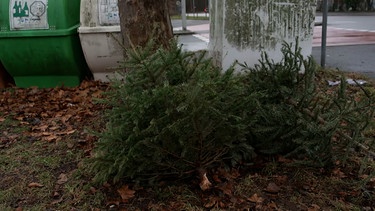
<point x="108" y="12"/>
<point x="28" y="14"/>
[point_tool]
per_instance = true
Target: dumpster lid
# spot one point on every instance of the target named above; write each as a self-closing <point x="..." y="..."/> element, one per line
<point x="100" y="29"/>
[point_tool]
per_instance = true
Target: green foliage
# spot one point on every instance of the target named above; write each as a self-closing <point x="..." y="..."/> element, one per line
<point x="296" y="118"/>
<point x="173" y="113"/>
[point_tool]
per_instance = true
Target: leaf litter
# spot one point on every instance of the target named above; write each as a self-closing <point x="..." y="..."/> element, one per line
<point x="52" y="113"/>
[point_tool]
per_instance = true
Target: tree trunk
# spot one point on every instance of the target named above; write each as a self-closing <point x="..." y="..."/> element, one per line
<point x="142" y="20"/>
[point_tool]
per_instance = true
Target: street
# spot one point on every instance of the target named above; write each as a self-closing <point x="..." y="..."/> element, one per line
<point x="350" y="41"/>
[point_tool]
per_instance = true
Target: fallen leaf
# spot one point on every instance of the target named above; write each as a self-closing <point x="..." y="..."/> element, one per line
<point x="66" y="132"/>
<point x="62" y="179"/>
<point x="222" y="204"/>
<point x="282" y="159"/>
<point x="126" y="193"/>
<point x="2" y="119"/>
<point x="57" y="201"/>
<point x="227" y="188"/>
<point x="35" y="185"/>
<point x="216" y="178"/>
<point x="46" y="133"/>
<point x="42" y="128"/>
<point x="272" y="206"/>
<point x="93" y="190"/>
<point x="272" y="188"/>
<point x="70" y="145"/>
<point x="51" y="138"/>
<point x="338" y="173"/>
<point x="20" y="118"/>
<point x="255" y="199"/>
<point x="313" y="207"/>
<point x="56" y="195"/>
<point x="282" y="179"/>
<point x="54" y="128"/>
<point x="205" y="183"/>
<point x="211" y="202"/>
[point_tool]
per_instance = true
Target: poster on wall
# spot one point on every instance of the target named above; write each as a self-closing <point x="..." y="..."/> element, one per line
<point x="28" y="14"/>
<point x="108" y="12"/>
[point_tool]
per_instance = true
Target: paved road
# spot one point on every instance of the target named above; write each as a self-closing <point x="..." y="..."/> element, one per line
<point x="350" y="58"/>
<point x="350" y="41"/>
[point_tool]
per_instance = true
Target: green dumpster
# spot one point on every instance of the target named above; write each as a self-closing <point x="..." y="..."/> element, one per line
<point x="39" y="42"/>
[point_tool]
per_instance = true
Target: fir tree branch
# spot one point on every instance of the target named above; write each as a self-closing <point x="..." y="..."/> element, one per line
<point x="323" y="122"/>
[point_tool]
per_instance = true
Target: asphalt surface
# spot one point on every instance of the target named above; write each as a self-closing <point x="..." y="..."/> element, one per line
<point x="349" y="58"/>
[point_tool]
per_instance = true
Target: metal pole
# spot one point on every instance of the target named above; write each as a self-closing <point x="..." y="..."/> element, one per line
<point x="324" y="34"/>
<point x="183" y="14"/>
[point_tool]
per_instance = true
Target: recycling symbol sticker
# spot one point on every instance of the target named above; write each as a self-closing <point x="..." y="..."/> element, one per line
<point x="37" y="8"/>
<point x="28" y="14"/>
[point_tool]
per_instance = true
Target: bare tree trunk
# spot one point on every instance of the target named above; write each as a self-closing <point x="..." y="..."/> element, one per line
<point x="142" y="20"/>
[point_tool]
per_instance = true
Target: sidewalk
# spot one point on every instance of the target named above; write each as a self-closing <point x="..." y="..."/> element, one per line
<point x="196" y="37"/>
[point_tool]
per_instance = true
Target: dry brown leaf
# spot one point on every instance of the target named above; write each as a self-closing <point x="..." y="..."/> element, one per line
<point x="282" y="159"/>
<point x="51" y="138"/>
<point x="63" y="178"/>
<point x="2" y="119"/>
<point x="272" y="206"/>
<point x="205" y="184"/>
<point x="255" y="198"/>
<point x="57" y="201"/>
<point x="69" y="132"/>
<point x="56" y="195"/>
<point x="35" y="185"/>
<point x="227" y="188"/>
<point x="93" y="190"/>
<point x="42" y="128"/>
<point x="46" y="134"/>
<point x="216" y="178"/>
<point x="97" y="94"/>
<point x="211" y="202"/>
<point x="338" y="173"/>
<point x="126" y="193"/>
<point x="314" y="207"/>
<point x="272" y="188"/>
<point x="20" y="118"/>
<point x="66" y="118"/>
<point x="54" y="128"/>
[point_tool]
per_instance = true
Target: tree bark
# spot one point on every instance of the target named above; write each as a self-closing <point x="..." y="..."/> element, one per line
<point x="143" y="20"/>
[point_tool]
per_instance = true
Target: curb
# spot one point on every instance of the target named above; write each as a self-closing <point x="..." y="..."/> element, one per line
<point x="183" y="32"/>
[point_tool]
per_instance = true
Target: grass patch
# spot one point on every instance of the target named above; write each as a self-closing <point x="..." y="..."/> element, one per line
<point x="32" y="177"/>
